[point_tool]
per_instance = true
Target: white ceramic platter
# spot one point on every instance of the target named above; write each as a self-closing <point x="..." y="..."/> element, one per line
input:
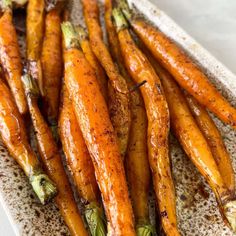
<point x="196" y="206"/>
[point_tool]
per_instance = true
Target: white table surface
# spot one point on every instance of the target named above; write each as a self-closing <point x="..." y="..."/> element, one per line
<point x="211" y="22"/>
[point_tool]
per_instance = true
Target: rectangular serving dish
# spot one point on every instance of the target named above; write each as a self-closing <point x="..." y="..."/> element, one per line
<point x="196" y="206"/>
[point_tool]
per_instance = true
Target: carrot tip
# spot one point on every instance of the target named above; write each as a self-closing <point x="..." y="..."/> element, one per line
<point x="70" y="35"/>
<point x="44" y="188"/>
<point x="30" y="85"/>
<point x="95" y="219"/>
<point x="145" y="230"/>
<point x="230" y="213"/>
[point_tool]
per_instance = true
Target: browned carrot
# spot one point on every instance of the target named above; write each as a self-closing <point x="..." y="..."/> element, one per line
<point x="196" y="146"/>
<point x="214" y="139"/>
<point x="51" y="60"/>
<point x="92" y="115"/>
<point x="93" y="61"/>
<point x="13" y="134"/>
<point x="158" y="123"/>
<point x="80" y="163"/>
<point x="118" y="94"/>
<point x="10" y="57"/>
<point x="137" y="166"/>
<point x="34" y="39"/>
<point x="52" y="161"/>
<point x="183" y="69"/>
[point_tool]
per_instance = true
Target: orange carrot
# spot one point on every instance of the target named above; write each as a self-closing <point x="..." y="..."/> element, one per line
<point x="92" y="115"/>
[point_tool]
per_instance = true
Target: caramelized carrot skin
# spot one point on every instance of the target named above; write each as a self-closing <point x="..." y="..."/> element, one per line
<point x="92" y="115"/>
<point x="76" y="152"/>
<point x="13" y="133"/>
<point x="54" y="167"/>
<point x="158" y="129"/>
<point x="214" y="139"/>
<point x="11" y="60"/>
<point x="185" y="72"/>
<point x="51" y="60"/>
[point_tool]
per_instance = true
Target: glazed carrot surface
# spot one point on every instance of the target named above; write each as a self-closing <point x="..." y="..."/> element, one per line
<point x="92" y="115"/>
<point x="10" y="59"/>
<point x="52" y="162"/>
<point x="158" y="124"/>
<point x="188" y="75"/>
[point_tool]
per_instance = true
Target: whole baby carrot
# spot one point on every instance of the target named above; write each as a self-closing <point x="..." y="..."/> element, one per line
<point x="93" y="118"/>
<point x="80" y="163"/>
<point x="196" y="146"/>
<point x="158" y="123"/>
<point x="188" y="75"/>
<point x="10" y="57"/>
<point x="13" y="134"/>
<point x="52" y="161"/>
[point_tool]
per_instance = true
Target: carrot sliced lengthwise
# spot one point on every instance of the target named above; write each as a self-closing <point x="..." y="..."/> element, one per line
<point x="183" y="69"/>
<point x="158" y="124"/>
<point x="99" y="135"/>
<point x="118" y="94"/>
<point x="214" y="139"/>
<point x="13" y="134"/>
<point x="80" y="163"/>
<point x="196" y="146"/>
<point x="51" y="60"/>
<point x="10" y="57"/>
<point x="136" y="159"/>
<point x="52" y="161"/>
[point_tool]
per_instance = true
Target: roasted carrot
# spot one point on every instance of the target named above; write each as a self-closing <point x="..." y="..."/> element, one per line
<point x="34" y="38"/>
<point x="80" y="163"/>
<point x="136" y="160"/>
<point x="13" y="134"/>
<point x="51" y="60"/>
<point x="10" y="57"/>
<point x="158" y="123"/>
<point x="52" y="161"/>
<point x="183" y="69"/>
<point x="118" y="94"/>
<point x="93" y="61"/>
<point x="93" y="118"/>
<point x="214" y="139"/>
<point x="195" y="145"/>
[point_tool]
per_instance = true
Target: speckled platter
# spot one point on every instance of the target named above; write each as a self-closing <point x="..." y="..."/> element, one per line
<point x="198" y="214"/>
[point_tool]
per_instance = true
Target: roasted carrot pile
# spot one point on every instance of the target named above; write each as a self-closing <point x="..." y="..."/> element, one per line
<point x="110" y="109"/>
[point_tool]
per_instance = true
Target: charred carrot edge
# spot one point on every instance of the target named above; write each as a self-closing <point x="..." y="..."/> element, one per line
<point x="35" y="19"/>
<point x="91" y="58"/>
<point x="52" y="161"/>
<point x="93" y="118"/>
<point x="118" y="94"/>
<point x="158" y="123"/>
<point x="10" y="57"/>
<point x="214" y="139"/>
<point x="80" y="163"/>
<point x="51" y="60"/>
<point x="196" y="146"/>
<point x="136" y="160"/>
<point x="13" y="133"/>
<point x="188" y="75"/>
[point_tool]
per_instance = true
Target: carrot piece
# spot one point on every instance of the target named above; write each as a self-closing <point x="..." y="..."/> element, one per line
<point x="214" y="139"/>
<point x="137" y="166"/>
<point x="158" y="123"/>
<point x="51" y="60"/>
<point x="195" y="145"/>
<point x="34" y="39"/>
<point x="80" y="163"/>
<point x="183" y="69"/>
<point x="13" y="134"/>
<point x="52" y="161"/>
<point x="93" y="61"/>
<point x="118" y="94"/>
<point x="92" y="115"/>
<point x="10" y="57"/>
